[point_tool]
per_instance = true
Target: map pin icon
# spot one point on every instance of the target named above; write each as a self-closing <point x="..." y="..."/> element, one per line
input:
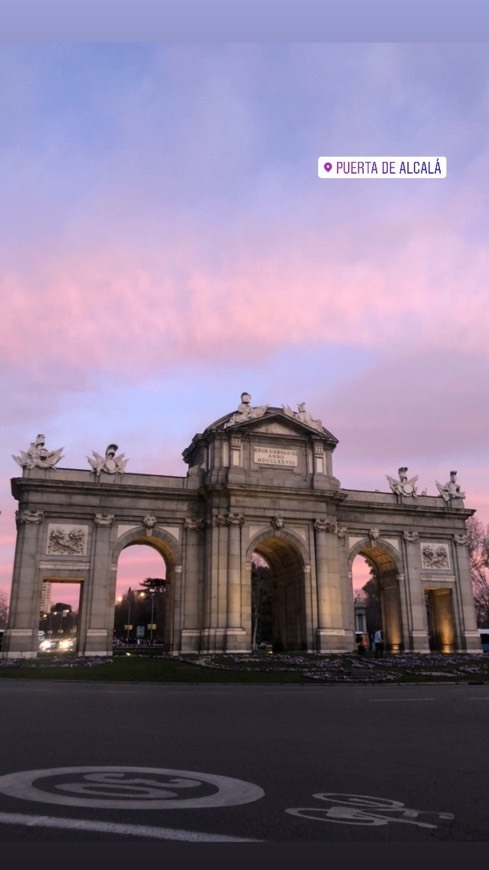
<point x="328" y="167"/>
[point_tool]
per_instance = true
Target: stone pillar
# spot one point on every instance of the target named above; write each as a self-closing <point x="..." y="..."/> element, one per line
<point x="330" y="634"/>
<point x="235" y="634"/>
<point x="97" y="617"/>
<point x="213" y="633"/>
<point x="21" y="636"/>
<point x="193" y="587"/>
<point x="418" y="631"/>
<point x="469" y="638"/>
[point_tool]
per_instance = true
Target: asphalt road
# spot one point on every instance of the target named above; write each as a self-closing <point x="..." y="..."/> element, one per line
<point x="243" y="764"/>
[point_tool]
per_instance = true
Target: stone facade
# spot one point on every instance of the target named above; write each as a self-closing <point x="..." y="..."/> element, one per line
<point x="259" y="481"/>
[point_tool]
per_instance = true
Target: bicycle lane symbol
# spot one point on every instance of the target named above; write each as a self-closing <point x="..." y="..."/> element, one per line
<point x="354" y="809"/>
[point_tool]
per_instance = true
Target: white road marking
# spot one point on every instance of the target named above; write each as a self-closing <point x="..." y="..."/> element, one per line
<point x="120" y="830"/>
<point x="390" y="700"/>
<point x="354" y="809"/>
<point x="132" y="788"/>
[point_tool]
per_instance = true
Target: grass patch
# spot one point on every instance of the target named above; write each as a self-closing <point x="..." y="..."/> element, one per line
<point x="150" y="666"/>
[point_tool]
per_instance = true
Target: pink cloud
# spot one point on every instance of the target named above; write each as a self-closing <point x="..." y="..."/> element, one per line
<point x="129" y="310"/>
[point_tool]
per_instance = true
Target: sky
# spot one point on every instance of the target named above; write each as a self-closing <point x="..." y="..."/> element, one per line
<point x="166" y="244"/>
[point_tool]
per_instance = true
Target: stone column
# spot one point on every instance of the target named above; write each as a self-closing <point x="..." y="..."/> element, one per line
<point x="330" y="634"/>
<point x="21" y="638"/>
<point x="418" y="632"/>
<point x="193" y="588"/>
<point x="215" y="585"/>
<point x="235" y="634"/>
<point x="467" y="631"/>
<point x="97" y="622"/>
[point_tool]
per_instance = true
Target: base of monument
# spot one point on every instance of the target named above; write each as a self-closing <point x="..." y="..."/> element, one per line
<point x="190" y="641"/>
<point x="237" y="641"/>
<point x="334" y="640"/>
<point x="219" y="641"/>
<point x="419" y="642"/>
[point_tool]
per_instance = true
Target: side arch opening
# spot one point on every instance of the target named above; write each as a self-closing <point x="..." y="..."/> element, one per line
<point x="382" y="601"/>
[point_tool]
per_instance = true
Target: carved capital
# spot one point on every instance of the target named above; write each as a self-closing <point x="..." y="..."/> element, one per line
<point x="323" y="525"/>
<point x="192" y="524"/>
<point x="235" y="519"/>
<point x="410" y="537"/>
<point x="461" y="539"/>
<point x="219" y="520"/>
<point x="103" y="519"/>
<point x="341" y="532"/>
<point x="29" y="516"/>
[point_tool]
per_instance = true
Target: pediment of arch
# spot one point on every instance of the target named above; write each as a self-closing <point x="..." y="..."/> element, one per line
<point x="277" y="422"/>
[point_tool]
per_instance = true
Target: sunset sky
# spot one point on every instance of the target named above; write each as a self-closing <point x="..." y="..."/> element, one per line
<point x="166" y="244"/>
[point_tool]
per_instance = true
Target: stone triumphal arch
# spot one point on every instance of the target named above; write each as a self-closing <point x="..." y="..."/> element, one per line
<point x="259" y="481"/>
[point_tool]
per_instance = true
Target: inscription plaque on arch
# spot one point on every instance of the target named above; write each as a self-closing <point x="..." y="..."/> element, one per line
<point x="276" y="456"/>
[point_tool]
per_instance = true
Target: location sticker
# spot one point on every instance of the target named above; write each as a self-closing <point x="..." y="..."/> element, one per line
<point x="410" y="166"/>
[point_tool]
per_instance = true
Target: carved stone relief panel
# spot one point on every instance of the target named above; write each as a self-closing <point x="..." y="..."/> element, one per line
<point x="65" y="539"/>
<point x="435" y="555"/>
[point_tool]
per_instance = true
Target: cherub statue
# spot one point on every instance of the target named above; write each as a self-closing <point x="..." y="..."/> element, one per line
<point x="403" y="486"/>
<point x="38" y="456"/>
<point x="110" y="463"/>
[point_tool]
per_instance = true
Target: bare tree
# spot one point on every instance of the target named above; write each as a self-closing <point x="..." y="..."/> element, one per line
<point x="3" y="609"/>
<point x="478" y="545"/>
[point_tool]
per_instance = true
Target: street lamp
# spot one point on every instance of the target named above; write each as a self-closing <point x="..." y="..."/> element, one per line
<point x="128" y="625"/>
<point x="152" y="590"/>
<point x="151" y="594"/>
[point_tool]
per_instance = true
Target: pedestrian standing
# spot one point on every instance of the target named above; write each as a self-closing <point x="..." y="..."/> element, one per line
<point x="378" y="643"/>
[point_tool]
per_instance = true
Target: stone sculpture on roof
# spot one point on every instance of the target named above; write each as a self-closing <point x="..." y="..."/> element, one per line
<point x="38" y="456"/>
<point x="303" y="416"/>
<point x="403" y="486"/>
<point x="110" y="463"/>
<point x="450" y="490"/>
<point x="245" y="411"/>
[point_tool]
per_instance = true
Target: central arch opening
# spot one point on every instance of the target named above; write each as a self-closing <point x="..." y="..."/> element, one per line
<point x="143" y="614"/>
<point x="283" y="593"/>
